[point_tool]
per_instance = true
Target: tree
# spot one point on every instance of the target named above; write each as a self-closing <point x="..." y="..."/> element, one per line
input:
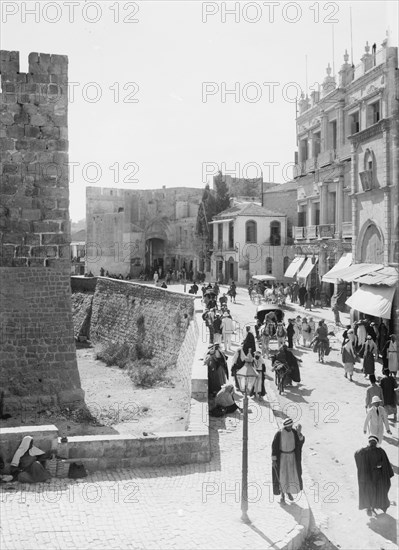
<point x="222" y="193"/>
<point x="212" y="203"/>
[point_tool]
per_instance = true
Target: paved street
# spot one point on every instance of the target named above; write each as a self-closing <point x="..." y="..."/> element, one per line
<point x="331" y="411"/>
<point x="197" y="506"/>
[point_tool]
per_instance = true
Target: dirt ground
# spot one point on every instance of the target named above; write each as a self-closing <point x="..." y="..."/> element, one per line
<point x="114" y="404"/>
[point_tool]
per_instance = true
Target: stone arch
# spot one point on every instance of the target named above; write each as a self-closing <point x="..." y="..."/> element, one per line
<point x="370" y="244"/>
<point x="369" y="160"/>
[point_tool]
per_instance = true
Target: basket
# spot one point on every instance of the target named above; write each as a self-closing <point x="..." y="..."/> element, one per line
<point x="62" y="468"/>
<point x="51" y="466"/>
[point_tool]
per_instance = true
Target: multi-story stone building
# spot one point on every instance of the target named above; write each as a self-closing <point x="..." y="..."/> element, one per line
<point x="130" y="232"/>
<point x="347" y="171"/>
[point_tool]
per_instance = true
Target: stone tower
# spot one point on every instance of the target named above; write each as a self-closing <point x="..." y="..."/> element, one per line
<point x="37" y="351"/>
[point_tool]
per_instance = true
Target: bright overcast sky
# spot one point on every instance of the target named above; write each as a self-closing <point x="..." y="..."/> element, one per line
<point x="174" y="135"/>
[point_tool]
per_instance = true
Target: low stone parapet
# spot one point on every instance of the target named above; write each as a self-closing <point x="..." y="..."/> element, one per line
<point x="115" y="451"/>
<point x="44" y="437"/>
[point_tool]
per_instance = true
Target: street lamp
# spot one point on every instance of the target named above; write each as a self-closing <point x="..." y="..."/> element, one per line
<point x="246" y="377"/>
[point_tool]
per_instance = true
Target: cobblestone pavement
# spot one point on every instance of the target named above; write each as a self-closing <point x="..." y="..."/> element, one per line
<point x="193" y="506"/>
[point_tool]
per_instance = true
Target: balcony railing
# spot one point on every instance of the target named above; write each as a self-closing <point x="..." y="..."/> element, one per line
<point x="311" y="231"/>
<point x="326" y="231"/>
<point x="347" y="229"/>
<point x="299" y="232"/>
<point x="310" y="165"/>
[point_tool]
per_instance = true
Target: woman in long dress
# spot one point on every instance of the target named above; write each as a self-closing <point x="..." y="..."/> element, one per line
<point x="369" y="354"/>
<point x="27" y="464"/>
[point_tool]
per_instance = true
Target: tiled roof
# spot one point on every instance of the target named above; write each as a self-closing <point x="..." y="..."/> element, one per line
<point x="289" y="186"/>
<point x="248" y="209"/>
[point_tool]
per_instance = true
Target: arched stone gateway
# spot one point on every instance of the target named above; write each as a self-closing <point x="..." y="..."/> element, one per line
<point x="155" y="245"/>
<point x="371" y="244"/>
<point x="155" y="254"/>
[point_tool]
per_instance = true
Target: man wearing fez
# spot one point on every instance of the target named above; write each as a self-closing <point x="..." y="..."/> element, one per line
<point x="287" y="460"/>
<point x="374" y="473"/>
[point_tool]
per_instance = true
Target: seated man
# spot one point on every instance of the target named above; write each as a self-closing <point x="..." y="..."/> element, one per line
<point x="224" y="402"/>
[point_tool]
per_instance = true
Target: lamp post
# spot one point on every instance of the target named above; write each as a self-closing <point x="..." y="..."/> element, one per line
<point x="246" y="377"/>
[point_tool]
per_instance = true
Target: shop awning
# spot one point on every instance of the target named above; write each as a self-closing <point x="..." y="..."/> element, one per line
<point x="263" y="277"/>
<point x="373" y="300"/>
<point x="386" y="276"/>
<point x="344" y="262"/>
<point x="351" y="273"/>
<point x="294" y="266"/>
<point x="306" y="268"/>
<point x="222" y="221"/>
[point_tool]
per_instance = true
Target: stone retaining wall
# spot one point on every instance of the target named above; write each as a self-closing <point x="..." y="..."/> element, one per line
<point x="81" y="312"/>
<point x="156" y="319"/>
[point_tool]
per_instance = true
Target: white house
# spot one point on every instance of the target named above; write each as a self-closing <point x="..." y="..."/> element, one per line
<point x="248" y="240"/>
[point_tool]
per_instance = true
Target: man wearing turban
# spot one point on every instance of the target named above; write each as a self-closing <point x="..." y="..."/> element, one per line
<point x="374" y="473"/>
<point x="287" y="460"/>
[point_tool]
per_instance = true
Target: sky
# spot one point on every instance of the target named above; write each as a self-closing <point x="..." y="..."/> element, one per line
<point x="168" y="93"/>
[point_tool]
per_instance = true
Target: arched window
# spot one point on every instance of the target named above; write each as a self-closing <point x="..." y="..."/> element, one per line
<point x="250" y="232"/>
<point x="275" y="233"/>
<point x="286" y="263"/>
<point x="367" y="177"/>
<point x="368" y="160"/>
<point x="269" y="266"/>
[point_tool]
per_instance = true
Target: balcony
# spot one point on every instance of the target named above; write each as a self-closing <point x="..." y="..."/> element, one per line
<point x="347" y="230"/>
<point x="327" y="157"/>
<point x="299" y="233"/>
<point x="311" y="231"/>
<point x="326" y="231"/>
<point x="310" y="165"/>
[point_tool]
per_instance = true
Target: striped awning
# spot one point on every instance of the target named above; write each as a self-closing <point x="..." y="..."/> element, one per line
<point x="306" y="268"/>
<point x="344" y="262"/>
<point x="294" y="266"/>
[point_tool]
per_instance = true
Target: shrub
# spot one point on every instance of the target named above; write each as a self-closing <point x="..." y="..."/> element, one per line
<point x="142" y="352"/>
<point x="113" y="354"/>
<point x="144" y="374"/>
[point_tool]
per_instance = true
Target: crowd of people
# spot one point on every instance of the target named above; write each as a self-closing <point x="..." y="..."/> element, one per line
<point x="295" y="292"/>
<point x="365" y="342"/>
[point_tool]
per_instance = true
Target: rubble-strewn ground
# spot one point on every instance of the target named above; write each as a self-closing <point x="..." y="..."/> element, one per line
<point x="114" y="404"/>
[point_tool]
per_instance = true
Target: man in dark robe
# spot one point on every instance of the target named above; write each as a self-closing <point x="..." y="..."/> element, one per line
<point x="373" y="475"/>
<point x="286" y="356"/>
<point x="218" y="373"/>
<point x="249" y="341"/>
<point x="301" y="295"/>
<point x="290" y="333"/>
<point x="287" y="460"/>
<point x="388" y="385"/>
<point x="238" y="362"/>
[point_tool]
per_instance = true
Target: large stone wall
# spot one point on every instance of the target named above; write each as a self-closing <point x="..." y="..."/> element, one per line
<point x="121" y="224"/>
<point x="37" y="350"/>
<point x="129" y="313"/>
